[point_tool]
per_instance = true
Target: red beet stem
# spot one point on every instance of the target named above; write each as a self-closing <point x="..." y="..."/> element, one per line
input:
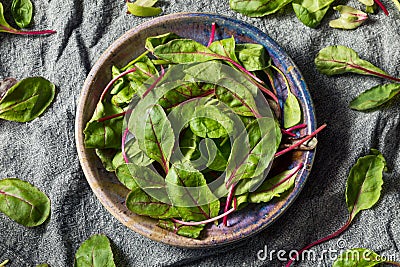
<point x="290" y="148"/>
<point x="320" y="241"/>
<point x="212" y="36"/>
<point x="112" y="117"/>
<point x="228" y="203"/>
<point x="205" y="221"/>
<point x="296" y="127"/>
<point x="379" y="3"/>
<point x="288" y="133"/>
<point x="29" y="32"/>
<point x="111" y="83"/>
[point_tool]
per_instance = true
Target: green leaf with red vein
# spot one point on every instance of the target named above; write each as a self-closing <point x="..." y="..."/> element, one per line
<point x="274" y="187"/>
<point x="257" y="8"/>
<point x="364" y="183"/>
<point x="338" y="59"/>
<point x="139" y="202"/>
<point x="27" y="99"/>
<point x="253" y="150"/>
<point x="375" y="97"/>
<point x="225" y="47"/>
<point x="159" y="137"/>
<point x="23" y="202"/>
<point x="187" y="188"/>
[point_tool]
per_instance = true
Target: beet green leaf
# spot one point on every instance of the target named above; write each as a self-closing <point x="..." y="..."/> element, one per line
<point x="158" y="137"/>
<point x="375" y="97"/>
<point x="21" y="11"/>
<point x="193" y="204"/>
<point x="23" y="202"/>
<point x="95" y="252"/>
<point x="252" y="56"/>
<point x="27" y="99"/>
<point x="333" y="60"/>
<point x="364" y="183"/>
<point x="253" y="150"/>
<point x="257" y="8"/>
<point x="311" y="12"/>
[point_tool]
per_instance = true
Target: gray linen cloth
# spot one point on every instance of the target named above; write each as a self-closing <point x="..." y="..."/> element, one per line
<point x="43" y="151"/>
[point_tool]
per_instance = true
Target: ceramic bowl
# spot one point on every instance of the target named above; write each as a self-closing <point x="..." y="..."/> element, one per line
<point x="197" y="26"/>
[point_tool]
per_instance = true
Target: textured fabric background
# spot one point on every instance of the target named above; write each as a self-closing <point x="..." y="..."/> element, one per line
<point x="43" y="151"/>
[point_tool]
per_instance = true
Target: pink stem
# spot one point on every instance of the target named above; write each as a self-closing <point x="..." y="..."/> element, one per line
<point x="123" y="145"/>
<point x="228" y="203"/>
<point x="112" y="117"/>
<point x="287" y="132"/>
<point x="14" y="31"/>
<point x="290" y="148"/>
<point x="212" y="36"/>
<point x="206" y="221"/>
<point x="322" y="240"/>
<point x="296" y="127"/>
<point x="111" y="83"/>
<point x="379" y="3"/>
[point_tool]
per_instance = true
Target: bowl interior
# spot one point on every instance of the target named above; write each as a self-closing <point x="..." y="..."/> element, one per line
<point x="195" y="26"/>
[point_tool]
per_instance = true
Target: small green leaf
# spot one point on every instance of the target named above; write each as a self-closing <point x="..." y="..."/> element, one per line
<point x="257" y="8"/>
<point x="21" y="11"/>
<point x="338" y="59"/>
<point x="95" y="252"/>
<point x="350" y="18"/>
<point x="23" y="202"/>
<point x="4" y="26"/>
<point x="224" y="47"/>
<point x="358" y="257"/>
<point x="291" y="111"/>
<point x="42" y="265"/>
<point x="372" y="9"/>
<point x="375" y="97"/>
<point x="183" y="230"/>
<point x="311" y="12"/>
<point x="126" y="87"/>
<point x="154" y="41"/>
<point x="139" y="10"/>
<point x="252" y="56"/>
<point x="27" y="99"/>
<point x="364" y="183"/>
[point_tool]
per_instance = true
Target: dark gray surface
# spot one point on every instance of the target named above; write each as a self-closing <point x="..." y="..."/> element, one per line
<point x="43" y="151"/>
